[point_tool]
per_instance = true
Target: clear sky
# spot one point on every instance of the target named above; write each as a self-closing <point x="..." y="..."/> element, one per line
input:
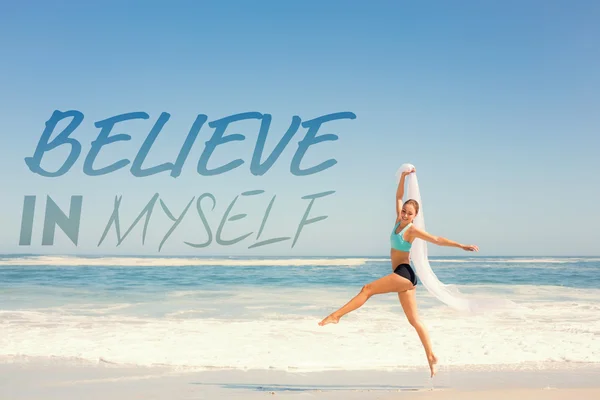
<point x="495" y="103"/>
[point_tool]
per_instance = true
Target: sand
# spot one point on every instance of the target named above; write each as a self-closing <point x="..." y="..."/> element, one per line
<point x="58" y="379"/>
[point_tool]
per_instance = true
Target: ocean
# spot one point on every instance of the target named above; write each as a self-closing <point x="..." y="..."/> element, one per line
<point x="249" y="313"/>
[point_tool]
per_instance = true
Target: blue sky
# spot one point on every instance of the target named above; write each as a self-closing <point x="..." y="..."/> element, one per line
<point x="494" y="102"/>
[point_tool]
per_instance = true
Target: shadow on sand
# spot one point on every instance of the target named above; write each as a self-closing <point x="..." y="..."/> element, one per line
<point x="318" y="388"/>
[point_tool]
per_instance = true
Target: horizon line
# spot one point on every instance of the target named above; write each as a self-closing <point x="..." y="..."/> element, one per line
<point x="277" y="256"/>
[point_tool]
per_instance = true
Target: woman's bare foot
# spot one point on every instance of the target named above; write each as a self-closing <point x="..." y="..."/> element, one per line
<point x="432" y="359"/>
<point x="331" y="319"/>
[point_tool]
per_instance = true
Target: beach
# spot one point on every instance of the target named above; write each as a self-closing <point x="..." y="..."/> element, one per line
<point x="190" y="189"/>
<point x="187" y="328"/>
<point x="54" y="379"/>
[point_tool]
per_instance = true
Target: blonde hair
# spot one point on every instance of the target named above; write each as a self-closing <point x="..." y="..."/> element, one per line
<point x="414" y="203"/>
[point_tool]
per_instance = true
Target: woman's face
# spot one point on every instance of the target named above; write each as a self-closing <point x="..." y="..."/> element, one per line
<point x="408" y="213"/>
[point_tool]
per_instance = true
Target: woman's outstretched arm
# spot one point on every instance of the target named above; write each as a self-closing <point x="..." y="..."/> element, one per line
<point x="441" y="241"/>
<point x="400" y="191"/>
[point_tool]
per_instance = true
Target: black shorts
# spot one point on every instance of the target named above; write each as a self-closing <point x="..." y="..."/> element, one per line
<point x="405" y="271"/>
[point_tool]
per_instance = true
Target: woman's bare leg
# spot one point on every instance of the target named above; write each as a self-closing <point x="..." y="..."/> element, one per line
<point x="409" y="305"/>
<point x="387" y="284"/>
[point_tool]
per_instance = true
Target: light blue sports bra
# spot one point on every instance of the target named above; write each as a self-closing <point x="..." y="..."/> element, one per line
<point x="397" y="239"/>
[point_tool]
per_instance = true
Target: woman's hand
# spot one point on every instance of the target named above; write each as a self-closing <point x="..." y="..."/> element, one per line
<point x="470" y="247"/>
<point x="405" y="173"/>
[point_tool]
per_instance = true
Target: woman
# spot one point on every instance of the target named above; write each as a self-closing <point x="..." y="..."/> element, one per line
<point x="403" y="279"/>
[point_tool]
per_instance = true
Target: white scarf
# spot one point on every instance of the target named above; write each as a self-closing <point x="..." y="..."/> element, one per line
<point x="448" y="294"/>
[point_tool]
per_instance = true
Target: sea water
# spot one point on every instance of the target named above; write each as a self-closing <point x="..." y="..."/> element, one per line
<point x="263" y="313"/>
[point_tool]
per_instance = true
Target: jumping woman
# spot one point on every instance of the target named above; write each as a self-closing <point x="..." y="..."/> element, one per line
<point x="403" y="279"/>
